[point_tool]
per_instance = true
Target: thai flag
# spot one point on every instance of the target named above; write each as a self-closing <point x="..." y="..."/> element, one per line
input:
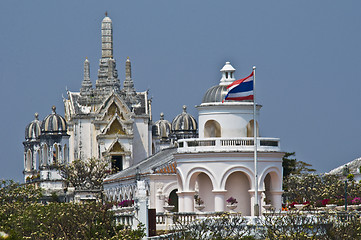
<point x="240" y="89"/>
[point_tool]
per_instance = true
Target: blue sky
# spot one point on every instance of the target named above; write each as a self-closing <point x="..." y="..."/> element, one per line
<point x="307" y="54"/>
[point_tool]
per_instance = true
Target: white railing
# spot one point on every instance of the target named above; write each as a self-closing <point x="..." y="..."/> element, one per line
<point x="228" y="144"/>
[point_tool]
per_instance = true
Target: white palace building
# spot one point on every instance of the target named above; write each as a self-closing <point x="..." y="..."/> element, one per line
<point x="211" y="157"/>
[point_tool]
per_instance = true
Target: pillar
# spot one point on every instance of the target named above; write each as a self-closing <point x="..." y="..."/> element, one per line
<point x="219" y="201"/>
<point x="276" y="200"/>
<point x="188" y="201"/>
<point x="252" y="195"/>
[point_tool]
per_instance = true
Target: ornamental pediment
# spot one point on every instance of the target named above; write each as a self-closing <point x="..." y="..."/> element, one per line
<point x="113" y="106"/>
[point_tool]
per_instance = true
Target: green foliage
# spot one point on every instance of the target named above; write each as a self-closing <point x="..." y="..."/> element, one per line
<point x="22" y="217"/>
<point x="291" y="166"/>
<point x="224" y="226"/>
<point x="314" y="187"/>
<point x="88" y="173"/>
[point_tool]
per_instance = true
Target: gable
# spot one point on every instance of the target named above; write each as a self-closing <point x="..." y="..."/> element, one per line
<point x="115" y="128"/>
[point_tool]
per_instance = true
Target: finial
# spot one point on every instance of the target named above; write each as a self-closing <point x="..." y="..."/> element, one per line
<point x="106" y="13"/>
<point x="184" y="108"/>
<point x="86" y="58"/>
<point x="36" y="116"/>
<point x="254" y="67"/>
<point x="128" y="60"/>
<point x="53" y="108"/>
<point x="161" y="116"/>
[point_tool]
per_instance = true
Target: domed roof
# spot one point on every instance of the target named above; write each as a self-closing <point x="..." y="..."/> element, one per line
<point x="162" y="127"/>
<point x="33" y="130"/>
<point x="184" y="122"/>
<point x="218" y="93"/>
<point x="54" y="123"/>
<point x="215" y="94"/>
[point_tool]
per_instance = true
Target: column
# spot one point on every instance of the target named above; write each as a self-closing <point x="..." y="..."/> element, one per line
<point x="252" y="195"/>
<point x="219" y="201"/>
<point x="188" y="201"/>
<point x="276" y="200"/>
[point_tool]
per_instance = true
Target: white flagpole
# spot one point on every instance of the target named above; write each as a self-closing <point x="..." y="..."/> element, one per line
<point x="256" y="203"/>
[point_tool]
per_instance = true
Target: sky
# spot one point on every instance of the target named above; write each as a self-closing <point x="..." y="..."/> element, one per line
<point x="307" y="55"/>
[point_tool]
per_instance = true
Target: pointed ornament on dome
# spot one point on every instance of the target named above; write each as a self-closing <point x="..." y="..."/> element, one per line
<point x="227" y="74"/>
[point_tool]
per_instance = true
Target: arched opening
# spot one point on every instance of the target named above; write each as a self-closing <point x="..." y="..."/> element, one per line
<point x="212" y="129"/>
<point x="250" y="132"/>
<point x="37" y="159"/>
<point x="204" y="187"/>
<point x="65" y="154"/>
<point x="272" y="186"/>
<point x="237" y="186"/>
<point x="55" y="154"/>
<point x="45" y="155"/>
<point x="28" y="162"/>
<point x="173" y="200"/>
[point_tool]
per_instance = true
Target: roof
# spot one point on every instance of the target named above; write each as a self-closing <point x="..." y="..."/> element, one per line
<point x="161" y="162"/>
<point x="353" y="167"/>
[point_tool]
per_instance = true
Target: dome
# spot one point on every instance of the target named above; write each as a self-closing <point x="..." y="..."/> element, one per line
<point x="184" y="122"/>
<point x="215" y="94"/>
<point x="54" y="123"/>
<point x="162" y="128"/>
<point x="33" y="130"/>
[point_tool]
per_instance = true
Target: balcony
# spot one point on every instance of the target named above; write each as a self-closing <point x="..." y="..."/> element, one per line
<point x="245" y="144"/>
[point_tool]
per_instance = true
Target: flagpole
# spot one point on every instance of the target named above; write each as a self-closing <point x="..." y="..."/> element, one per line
<point x="256" y="202"/>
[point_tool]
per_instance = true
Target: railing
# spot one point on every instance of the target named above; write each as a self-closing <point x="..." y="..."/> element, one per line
<point x="228" y="144"/>
<point x="123" y="216"/>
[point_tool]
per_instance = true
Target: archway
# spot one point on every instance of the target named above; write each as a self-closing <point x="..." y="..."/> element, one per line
<point x="173" y="200"/>
<point x="250" y="132"/>
<point x="212" y="129"/>
<point x="204" y="187"/>
<point x="45" y="155"/>
<point x="28" y="161"/>
<point x="237" y="186"/>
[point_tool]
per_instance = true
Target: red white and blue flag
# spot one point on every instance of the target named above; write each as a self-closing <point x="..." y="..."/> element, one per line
<point x="241" y="89"/>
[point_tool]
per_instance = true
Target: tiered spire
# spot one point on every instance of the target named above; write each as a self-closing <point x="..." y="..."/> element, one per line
<point x="107" y="73"/>
<point x="107" y="37"/>
<point x="128" y="83"/>
<point x="86" y="85"/>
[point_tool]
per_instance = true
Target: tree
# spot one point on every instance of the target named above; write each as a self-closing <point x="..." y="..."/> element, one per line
<point x="293" y="166"/>
<point x="85" y="174"/>
<point x="23" y="217"/>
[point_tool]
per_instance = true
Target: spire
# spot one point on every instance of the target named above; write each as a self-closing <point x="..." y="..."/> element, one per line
<point x="86" y="70"/>
<point x="128" y="69"/>
<point x="107" y="37"/>
<point x="86" y="85"/>
<point x="128" y="82"/>
<point x="107" y="74"/>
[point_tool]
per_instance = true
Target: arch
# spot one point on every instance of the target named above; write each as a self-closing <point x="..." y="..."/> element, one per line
<point x="180" y="180"/>
<point x="65" y="154"/>
<point x="275" y="177"/>
<point x="212" y="129"/>
<point x="45" y="154"/>
<point x="250" y="132"/>
<point x="37" y="159"/>
<point x="173" y="200"/>
<point x="193" y="174"/>
<point x="55" y="154"/>
<point x="231" y="170"/>
<point x="204" y="191"/>
<point x="238" y="186"/>
<point x="28" y="161"/>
